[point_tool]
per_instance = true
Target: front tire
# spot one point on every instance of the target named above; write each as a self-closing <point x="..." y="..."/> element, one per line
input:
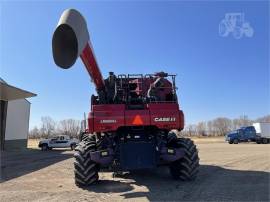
<point x="72" y="146"/>
<point x="85" y="170"/>
<point x="186" y="168"/>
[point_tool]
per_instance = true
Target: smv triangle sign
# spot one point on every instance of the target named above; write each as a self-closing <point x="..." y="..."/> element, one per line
<point x="137" y="120"/>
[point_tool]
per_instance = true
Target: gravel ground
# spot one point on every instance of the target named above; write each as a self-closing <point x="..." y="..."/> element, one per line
<point x="227" y="173"/>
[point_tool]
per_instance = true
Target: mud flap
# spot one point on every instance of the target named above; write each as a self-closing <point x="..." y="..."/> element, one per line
<point x="138" y="155"/>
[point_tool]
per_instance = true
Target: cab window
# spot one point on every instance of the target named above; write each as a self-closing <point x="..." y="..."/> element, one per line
<point x="249" y="131"/>
<point x="240" y="132"/>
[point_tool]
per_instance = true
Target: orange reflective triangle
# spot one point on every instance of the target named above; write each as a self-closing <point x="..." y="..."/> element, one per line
<point x="137" y="120"/>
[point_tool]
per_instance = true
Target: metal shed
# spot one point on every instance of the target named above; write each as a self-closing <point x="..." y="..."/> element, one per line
<point x="15" y="113"/>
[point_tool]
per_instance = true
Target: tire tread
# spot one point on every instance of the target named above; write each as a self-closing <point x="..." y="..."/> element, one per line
<point x="186" y="168"/>
<point x="85" y="170"/>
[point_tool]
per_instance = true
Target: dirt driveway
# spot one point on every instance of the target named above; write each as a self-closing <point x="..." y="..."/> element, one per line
<point x="227" y="173"/>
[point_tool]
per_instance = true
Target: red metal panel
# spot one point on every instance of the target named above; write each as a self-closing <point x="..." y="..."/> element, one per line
<point x="108" y="117"/>
<point x="165" y="115"/>
<point x="181" y="120"/>
<point x="90" y="122"/>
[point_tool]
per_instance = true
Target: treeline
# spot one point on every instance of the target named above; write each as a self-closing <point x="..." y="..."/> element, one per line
<point x="220" y="126"/>
<point x="216" y="127"/>
<point x="50" y="128"/>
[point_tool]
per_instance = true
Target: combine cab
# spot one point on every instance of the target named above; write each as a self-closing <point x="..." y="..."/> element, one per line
<point x="132" y="116"/>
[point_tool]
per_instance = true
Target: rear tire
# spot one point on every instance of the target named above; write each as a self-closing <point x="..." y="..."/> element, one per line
<point x="235" y="141"/>
<point x="85" y="170"/>
<point x="264" y="141"/>
<point x="44" y="147"/>
<point x="186" y="168"/>
<point x="171" y="138"/>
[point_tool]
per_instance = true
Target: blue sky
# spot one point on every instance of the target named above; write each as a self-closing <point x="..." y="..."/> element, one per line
<point x="217" y="76"/>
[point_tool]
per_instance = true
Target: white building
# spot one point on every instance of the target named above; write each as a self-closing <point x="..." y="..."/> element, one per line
<point x="15" y="113"/>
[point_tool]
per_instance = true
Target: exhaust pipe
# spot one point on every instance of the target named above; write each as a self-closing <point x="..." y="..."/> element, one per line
<point x="71" y="40"/>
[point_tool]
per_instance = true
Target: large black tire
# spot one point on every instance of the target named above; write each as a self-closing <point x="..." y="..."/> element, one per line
<point x="235" y="141"/>
<point x="186" y="168"/>
<point x="171" y="138"/>
<point x="85" y="136"/>
<point x="73" y="146"/>
<point x="44" y="147"/>
<point x="264" y="141"/>
<point x="85" y="170"/>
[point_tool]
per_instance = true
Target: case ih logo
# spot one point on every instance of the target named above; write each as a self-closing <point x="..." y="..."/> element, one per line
<point x="108" y="121"/>
<point x="165" y="119"/>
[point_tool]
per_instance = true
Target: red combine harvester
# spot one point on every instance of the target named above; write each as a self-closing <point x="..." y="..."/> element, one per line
<point x="132" y="117"/>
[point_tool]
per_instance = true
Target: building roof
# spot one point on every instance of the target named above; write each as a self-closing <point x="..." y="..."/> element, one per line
<point x="8" y="92"/>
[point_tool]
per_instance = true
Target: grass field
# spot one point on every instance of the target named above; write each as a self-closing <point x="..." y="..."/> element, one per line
<point x="32" y="143"/>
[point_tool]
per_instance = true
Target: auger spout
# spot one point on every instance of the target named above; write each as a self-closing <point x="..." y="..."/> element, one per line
<point x="71" y="40"/>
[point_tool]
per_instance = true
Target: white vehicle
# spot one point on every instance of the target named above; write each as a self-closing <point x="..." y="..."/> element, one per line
<point x="262" y="132"/>
<point x="61" y="141"/>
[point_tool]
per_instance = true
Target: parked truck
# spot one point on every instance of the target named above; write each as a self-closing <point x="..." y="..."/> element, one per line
<point x="243" y="134"/>
<point x="258" y="132"/>
<point x="61" y="141"/>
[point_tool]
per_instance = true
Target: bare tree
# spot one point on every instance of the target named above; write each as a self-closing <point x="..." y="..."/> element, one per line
<point x="34" y="133"/>
<point x="245" y="121"/>
<point x="264" y="119"/>
<point x="192" y="129"/>
<point x="210" y="130"/>
<point x="222" y="125"/>
<point x="47" y="126"/>
<point x="241" y="122"/>
<point x="189" y="130"/>
<point x="201" y="128"/>
<point x="69" y="127"/>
